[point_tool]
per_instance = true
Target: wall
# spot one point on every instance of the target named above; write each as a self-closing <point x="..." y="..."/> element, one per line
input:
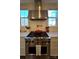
<point x="53" y="29"/>
<point x="42" y="23"/>
<point x="33" y="24"/>
<point x="54" y="46"/>
<point x="22" y="46"/>
<point x="45" y="6"/>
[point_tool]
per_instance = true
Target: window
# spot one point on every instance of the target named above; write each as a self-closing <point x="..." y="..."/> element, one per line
<point x="24" y="17"/>
<point x="52" y="17"/>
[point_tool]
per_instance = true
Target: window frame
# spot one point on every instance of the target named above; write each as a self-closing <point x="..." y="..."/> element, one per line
<point x="53" y="17"/>
<point x="25" y="18"/>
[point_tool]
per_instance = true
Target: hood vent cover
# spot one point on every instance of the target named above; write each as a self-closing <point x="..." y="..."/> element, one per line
<point x="38" y="13"/>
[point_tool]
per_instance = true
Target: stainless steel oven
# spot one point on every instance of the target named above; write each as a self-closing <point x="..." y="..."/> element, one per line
<point x="37" y="47"/>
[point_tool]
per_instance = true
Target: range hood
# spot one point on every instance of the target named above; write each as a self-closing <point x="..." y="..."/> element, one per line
<point x="38" y="13"/>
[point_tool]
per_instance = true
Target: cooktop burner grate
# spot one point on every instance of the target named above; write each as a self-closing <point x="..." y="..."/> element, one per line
<point x="37" y="34"/>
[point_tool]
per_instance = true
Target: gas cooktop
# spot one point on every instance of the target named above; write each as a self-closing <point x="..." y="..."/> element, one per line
<point x="37" y="34"/>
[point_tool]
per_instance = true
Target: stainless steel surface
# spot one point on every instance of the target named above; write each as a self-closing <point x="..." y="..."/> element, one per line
<point x="37" y="42"/>
<point x="38" y="13"/>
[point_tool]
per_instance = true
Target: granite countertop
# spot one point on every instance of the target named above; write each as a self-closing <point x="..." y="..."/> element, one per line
<point x="51" y="34"/>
